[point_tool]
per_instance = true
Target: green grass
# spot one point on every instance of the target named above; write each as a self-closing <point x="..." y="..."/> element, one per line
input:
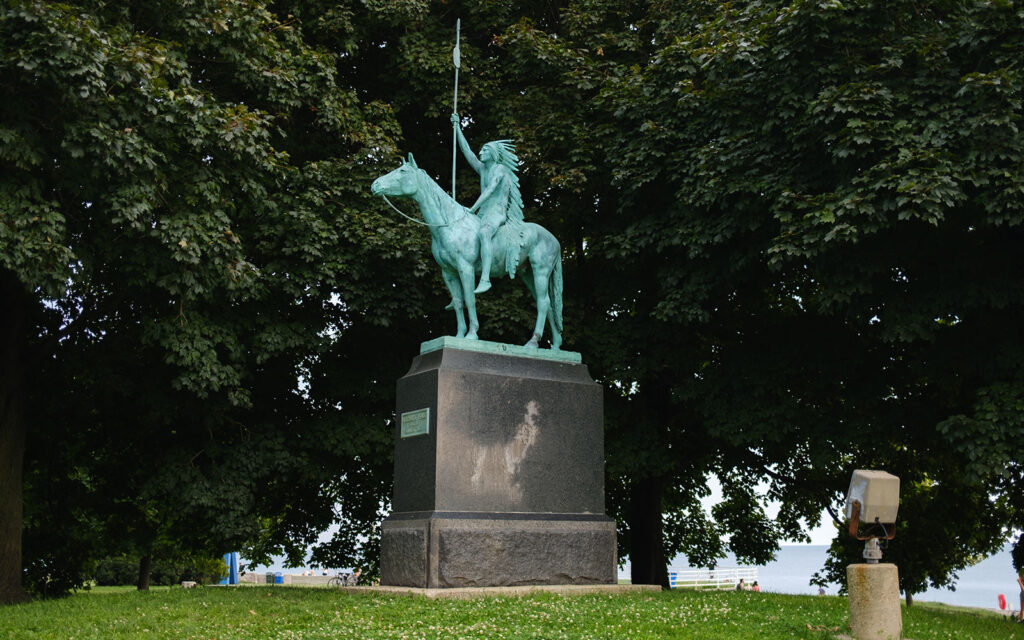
<point x="293" y="613"/>
<point x="967" y="611"/>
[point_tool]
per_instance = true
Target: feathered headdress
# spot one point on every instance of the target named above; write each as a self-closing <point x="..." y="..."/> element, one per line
<point x="505" y="152"/>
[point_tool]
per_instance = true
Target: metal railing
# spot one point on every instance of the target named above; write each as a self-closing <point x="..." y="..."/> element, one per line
<point x="711" y="579"/>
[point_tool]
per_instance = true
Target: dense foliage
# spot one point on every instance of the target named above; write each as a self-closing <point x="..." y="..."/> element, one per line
<point x="186" y="233"/>
<point x="801" y="223"/>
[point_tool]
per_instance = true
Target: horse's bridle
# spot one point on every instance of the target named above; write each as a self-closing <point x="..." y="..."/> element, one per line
<point x="425" y="224"/>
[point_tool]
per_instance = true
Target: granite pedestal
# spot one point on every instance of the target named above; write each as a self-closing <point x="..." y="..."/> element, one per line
<point x="499" y="472"/>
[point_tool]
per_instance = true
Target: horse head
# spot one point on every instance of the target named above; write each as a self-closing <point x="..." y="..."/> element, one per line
<point x="403" y="181"/>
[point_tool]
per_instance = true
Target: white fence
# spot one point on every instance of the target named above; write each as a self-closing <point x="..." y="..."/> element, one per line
<point x="712" y="579"/>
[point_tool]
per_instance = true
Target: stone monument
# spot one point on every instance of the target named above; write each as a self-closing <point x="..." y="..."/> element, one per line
<point x="499" y="449"/>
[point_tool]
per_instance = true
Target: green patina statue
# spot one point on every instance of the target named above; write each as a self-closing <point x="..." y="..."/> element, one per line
<point x="489" y="238"/>
<point x="459" y="237"/>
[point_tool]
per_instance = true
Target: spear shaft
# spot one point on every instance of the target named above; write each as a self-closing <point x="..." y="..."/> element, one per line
<point x="455" y="103"/>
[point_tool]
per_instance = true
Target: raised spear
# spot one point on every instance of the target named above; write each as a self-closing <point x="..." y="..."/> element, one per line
<point x="456" y="58"/>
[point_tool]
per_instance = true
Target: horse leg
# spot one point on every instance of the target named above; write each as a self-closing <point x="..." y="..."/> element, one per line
<point x="540" y="292"/>
<point x="467" y="275"/>
<point x="527" y="278"/>
<point x="556" y="337"/>
<point x="455" y="288"/>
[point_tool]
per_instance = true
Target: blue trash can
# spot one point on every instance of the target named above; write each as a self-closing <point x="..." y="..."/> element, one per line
<point x="278" y="578"/>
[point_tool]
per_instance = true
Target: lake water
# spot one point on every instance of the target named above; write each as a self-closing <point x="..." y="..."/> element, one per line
<point x="978" y="586"/>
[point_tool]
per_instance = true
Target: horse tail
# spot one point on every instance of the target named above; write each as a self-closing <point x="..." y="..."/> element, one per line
<point x="555" y="291"/>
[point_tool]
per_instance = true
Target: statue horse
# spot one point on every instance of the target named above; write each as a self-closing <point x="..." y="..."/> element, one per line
<point x="453" y="230"/>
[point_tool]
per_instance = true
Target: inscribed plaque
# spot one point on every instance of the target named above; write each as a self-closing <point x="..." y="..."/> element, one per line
<point x="415" y="423"/>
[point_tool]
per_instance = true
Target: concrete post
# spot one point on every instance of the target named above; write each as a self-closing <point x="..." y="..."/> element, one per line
<point x="874" y="601"/>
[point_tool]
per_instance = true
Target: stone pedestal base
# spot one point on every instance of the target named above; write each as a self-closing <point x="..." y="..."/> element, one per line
<point x="445" y="550"/>
<point x="874" y="601"/>
<point x="499" y="472"/>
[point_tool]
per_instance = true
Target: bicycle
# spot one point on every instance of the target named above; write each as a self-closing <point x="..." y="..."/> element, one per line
<point x="342" y="580"/>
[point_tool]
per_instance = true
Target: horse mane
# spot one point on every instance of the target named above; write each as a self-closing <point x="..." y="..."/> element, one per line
<point x="447" y="207"/>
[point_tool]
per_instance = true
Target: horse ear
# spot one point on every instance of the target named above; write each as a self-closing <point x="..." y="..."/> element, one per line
<point x="412" y="161"/>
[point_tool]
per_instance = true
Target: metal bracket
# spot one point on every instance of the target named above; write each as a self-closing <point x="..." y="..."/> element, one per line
<point x="889" y="531"/>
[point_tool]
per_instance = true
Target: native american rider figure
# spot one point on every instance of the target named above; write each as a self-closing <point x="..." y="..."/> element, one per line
<point x="500" y="205"/>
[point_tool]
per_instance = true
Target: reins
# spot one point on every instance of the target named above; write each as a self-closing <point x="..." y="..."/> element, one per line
<point x="425" y="224"/>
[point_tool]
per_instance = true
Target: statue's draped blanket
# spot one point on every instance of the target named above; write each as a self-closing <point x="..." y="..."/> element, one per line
<point x="511" y="236"/>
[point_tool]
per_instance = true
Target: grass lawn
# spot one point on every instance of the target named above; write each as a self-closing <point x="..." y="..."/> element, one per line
<point x="293" y="613"/>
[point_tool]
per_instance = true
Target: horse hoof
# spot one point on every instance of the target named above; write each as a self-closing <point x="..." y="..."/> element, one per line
<point x="483" y="286"/>
<point x="532" y="344"/>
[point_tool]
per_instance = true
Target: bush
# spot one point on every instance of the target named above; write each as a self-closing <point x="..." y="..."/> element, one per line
<point x="124" y="570"/>
<point x="116" y="570"/>
<point x="205" y="570"/>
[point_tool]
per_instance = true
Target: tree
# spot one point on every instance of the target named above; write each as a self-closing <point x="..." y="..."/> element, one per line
<point x="810" y="248"/>
<point x="184" y="192"/>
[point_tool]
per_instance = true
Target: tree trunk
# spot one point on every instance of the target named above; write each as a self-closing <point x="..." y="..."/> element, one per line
<point x="145" y="569"/>
<point x="910" y="599"/>
<point x="12" y="455"/>
<point x="12" y="438"/>
<point x="647" y="546"/>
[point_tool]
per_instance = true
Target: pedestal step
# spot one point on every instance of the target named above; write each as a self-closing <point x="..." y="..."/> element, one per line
<point x="444" y="550"/>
